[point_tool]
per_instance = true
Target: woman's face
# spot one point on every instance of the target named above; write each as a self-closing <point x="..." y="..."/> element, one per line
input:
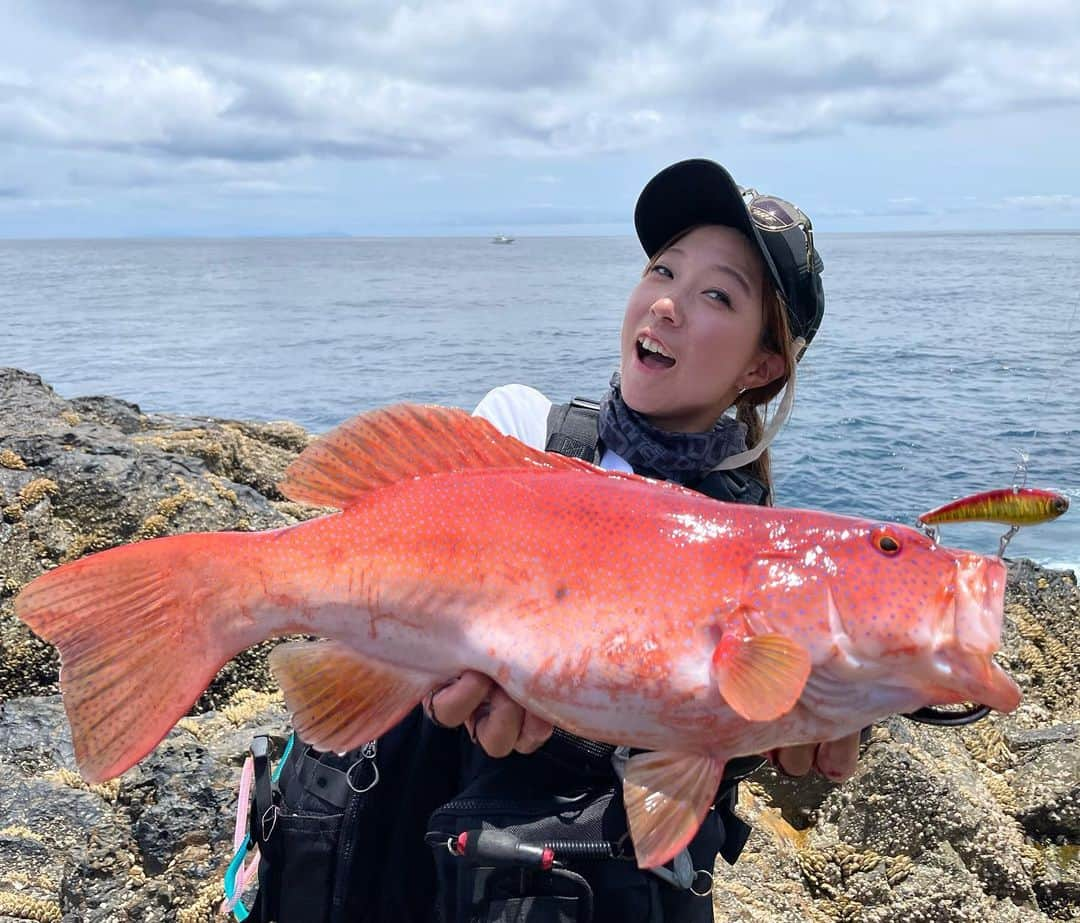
<point x="691" y="336"/>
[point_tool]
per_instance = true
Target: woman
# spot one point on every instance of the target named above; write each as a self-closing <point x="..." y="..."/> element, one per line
<point x="733" y="298"/>
<point x="729" y="300"/>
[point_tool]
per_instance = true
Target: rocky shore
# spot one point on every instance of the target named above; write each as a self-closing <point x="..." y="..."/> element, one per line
<point x="972" y="824"/>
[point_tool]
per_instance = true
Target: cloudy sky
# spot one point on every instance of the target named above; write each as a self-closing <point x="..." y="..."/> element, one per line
<point x="146" y="117"/>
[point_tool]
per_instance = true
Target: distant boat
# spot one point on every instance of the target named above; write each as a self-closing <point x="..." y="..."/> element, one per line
<point x="502" y="239"/>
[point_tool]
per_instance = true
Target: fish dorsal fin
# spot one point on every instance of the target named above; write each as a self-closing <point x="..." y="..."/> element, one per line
<point x="761" y="677"/>
<point x="402" y="442"/>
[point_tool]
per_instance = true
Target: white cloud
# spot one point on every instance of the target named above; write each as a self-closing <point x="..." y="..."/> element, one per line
<point x="262" y="82"/>
<point x="1054" y="202"/>
<point x="43" y="203"/>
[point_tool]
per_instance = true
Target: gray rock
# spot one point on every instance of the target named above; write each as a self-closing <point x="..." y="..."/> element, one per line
<point x="1047" y="789"/>
<point x="111" y="411"/>
<point x="146" y="846"/>
<point x="61" y="841"/>
<point x="179" y="796"/>
<point x="34" y="732"/>
<point x="1021" y="740"/>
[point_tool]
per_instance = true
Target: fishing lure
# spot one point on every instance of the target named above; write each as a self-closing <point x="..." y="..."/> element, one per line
<point x="1010" y="506"/>
<point x="1013" y="507"/>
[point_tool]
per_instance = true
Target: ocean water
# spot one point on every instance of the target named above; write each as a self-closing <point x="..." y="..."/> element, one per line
<point x="943" y="358"/>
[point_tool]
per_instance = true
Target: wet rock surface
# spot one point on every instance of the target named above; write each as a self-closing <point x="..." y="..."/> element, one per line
<point x="971" y="824"/>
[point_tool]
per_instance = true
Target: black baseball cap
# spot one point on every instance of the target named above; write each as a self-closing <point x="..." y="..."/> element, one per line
<point x="694" y="192"/>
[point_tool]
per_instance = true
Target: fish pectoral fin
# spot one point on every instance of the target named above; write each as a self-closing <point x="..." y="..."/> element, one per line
<point x="340" y="699"/>
<point x="666" y="796"/>
<point x="762" y="676"/>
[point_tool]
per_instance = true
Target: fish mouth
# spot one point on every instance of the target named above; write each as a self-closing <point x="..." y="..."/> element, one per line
<point x="998" y="690"/>
<point x="980" y="602"/>
<point x="652" y="353"/>
<point x="977" y="684"/>
<point x="966" y="668"/>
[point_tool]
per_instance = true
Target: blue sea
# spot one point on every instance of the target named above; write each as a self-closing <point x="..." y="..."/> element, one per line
<point x="943" y="358"/>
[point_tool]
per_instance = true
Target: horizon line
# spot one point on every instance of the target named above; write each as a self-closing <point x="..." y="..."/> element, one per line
<point x="342" y="235"/>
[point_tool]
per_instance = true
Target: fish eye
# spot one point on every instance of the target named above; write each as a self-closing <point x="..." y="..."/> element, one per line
<point x="885" y="542"/>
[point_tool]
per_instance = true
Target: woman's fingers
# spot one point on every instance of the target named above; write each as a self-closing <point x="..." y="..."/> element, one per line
<point x="496" y="724"/>
<point x="494" y="720"/>
<point x="794" y="761"/>
<point x="836" y="759"/>
<point x="534" y="733"/>
<point x="451" y="704"/>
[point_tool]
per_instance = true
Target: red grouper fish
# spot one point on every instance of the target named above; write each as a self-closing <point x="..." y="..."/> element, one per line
<point x="620" y="608"/>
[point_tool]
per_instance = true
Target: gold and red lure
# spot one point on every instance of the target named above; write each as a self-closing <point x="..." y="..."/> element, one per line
<point x="1010" y="506"/>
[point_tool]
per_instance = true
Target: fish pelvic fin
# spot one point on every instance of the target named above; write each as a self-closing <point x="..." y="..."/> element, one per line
<point x="762" y="676"/>
<point x="666" y="797"/>
<point x="400" y="443"/>
<point x="139" y="639"/>
<point x="340" y="699"/>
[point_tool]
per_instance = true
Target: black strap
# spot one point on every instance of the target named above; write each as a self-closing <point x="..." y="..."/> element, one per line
<point x="733" y="487"/>
<point x="264" y="816"/>
<point x="572" y="429"/>
<point x="583" y="756"/>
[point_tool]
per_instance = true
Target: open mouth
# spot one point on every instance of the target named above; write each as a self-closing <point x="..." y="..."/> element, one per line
<point x="652" y="353"/>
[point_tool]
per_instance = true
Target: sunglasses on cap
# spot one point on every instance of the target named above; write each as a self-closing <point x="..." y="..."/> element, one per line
<point x="771" y="213"/>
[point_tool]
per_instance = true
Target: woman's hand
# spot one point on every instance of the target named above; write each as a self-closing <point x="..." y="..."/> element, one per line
<point x="494" y="720"/>
<point x="500" y="726"/>
<point x="834" y="759"/>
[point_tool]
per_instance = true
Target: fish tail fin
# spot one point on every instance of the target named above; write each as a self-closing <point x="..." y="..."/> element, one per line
<point x="141" y="633"/>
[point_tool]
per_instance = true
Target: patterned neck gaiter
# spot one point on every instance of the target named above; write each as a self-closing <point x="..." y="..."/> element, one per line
<point x="681" y="457"/>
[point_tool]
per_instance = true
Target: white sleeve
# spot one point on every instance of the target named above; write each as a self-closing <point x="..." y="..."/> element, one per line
<point x="519" y="411"/>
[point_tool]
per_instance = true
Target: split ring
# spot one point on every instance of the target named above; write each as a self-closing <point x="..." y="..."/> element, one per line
<point x="708" y="876"/>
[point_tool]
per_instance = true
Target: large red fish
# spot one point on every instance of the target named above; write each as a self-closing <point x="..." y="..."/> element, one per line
<point x="619" y="608"/>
